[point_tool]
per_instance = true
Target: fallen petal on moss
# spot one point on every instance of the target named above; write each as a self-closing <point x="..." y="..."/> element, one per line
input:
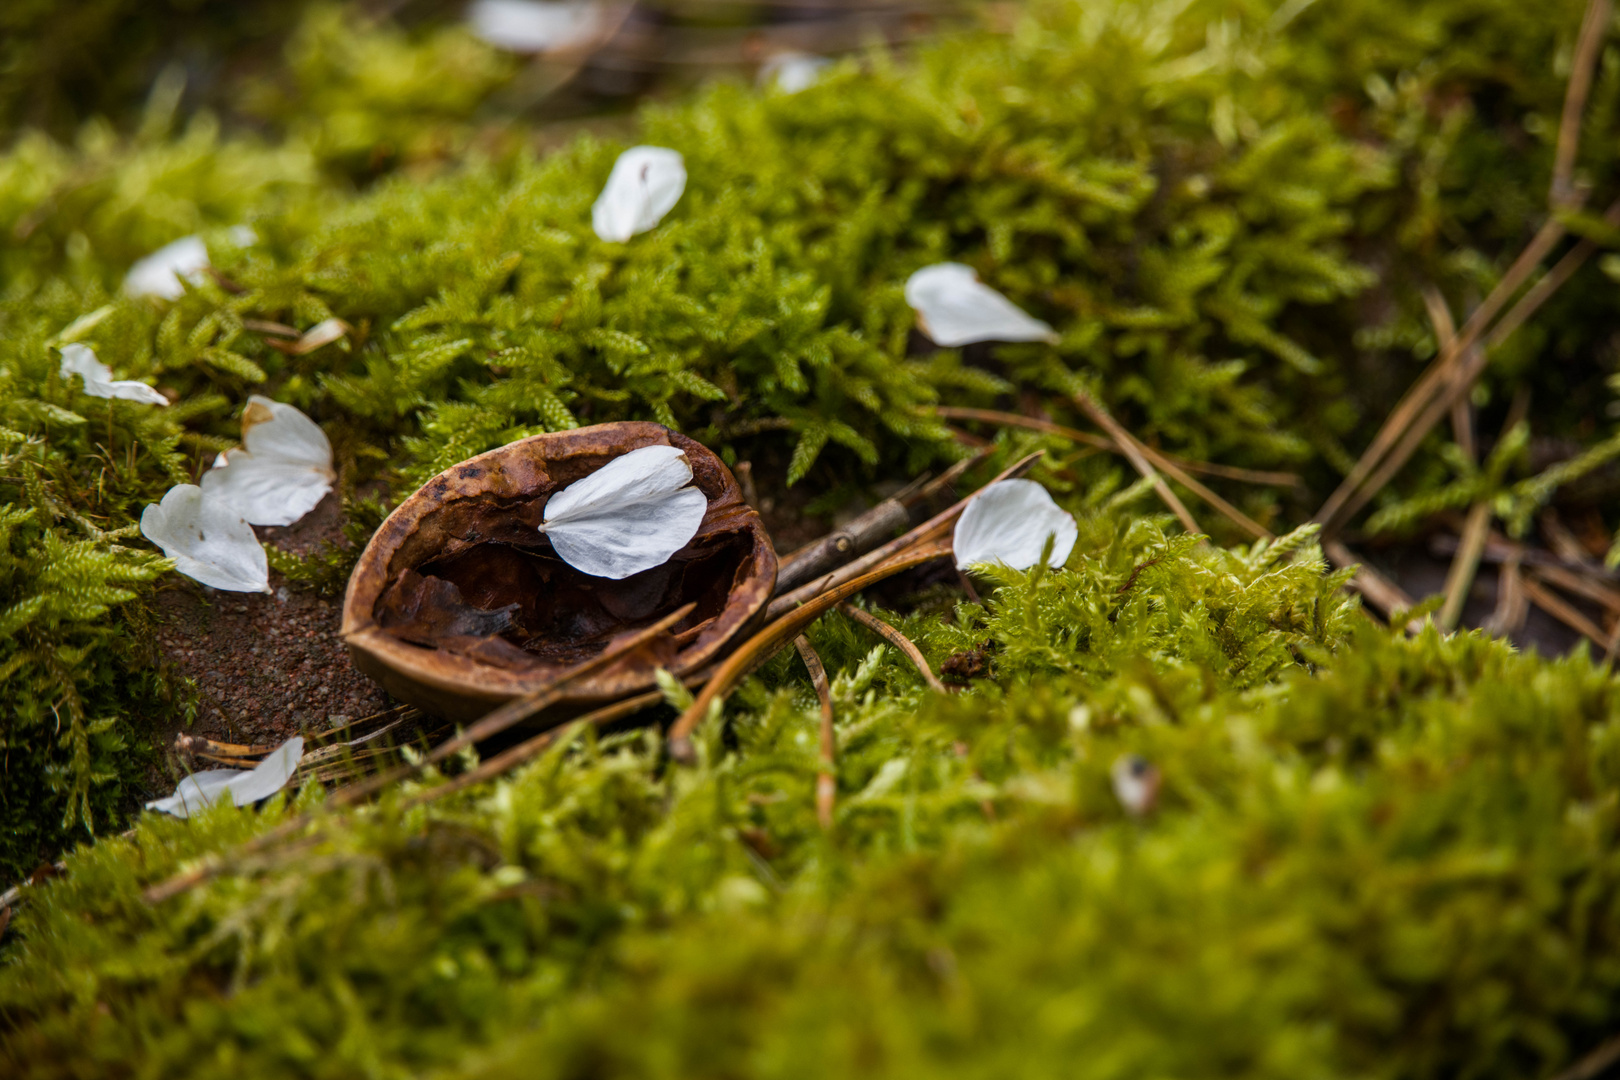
<point x="161" y="273"/>
<point x="534" y="26"/>
<point x="202" y="790"/>
<point x="1009" y="522"/>
<point x="955" y="308"/>
<point x="791" y="72"/>
<point x="630" y="515"/>
<point x="645" y="184"/>
<point x="208" y="539"/>
<point x="281" y="472"/>
<point x="81" y="360"/>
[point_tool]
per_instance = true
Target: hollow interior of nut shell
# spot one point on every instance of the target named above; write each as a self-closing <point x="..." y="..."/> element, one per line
<point x="464" y="589"/>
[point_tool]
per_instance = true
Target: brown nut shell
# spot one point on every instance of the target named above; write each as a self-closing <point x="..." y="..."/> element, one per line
<point x="459" y="604"/>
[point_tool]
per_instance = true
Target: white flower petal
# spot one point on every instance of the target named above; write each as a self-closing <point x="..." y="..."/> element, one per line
<point x="160" y="273"/>
<point x="1008" y="522"/>
<point x="81" y="360"/>
<point x="534" y="26"/>
<point x="791" y="72"/>
<point x="628" y="516"/>
<point x="955" y="308"/>
<point x="645" y="184"/>
<point x="208" y="540"/>
<point x="200" y="790"/>
<point x="284" y="469"/>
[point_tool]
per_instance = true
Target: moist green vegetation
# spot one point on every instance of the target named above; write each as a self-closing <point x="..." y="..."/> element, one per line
<point x="1374" y="855"/>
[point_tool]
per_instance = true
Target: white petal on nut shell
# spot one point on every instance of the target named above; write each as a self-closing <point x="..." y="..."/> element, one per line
<point x="628" y="516"/>
<point x="534" y="26"/>
<point x="791" y="72"/>
<point x="81" y="360"/>
<point x="955" y="308"/>
<point x="645" y="184"/>
<point x="160" y="273"/>
<point x="1008" y="522"/>
<point x="208" y="539"/>
<point x="201" y="790"/>
<point x="283" y="470"/>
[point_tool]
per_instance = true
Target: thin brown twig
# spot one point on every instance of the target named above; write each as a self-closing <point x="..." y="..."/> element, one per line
<point x="778" y="634"/>
<point x="894" y="637"/>
<point x="1262" y="477"/>
<point x="827" y="776"/>
<point x="858" y="537"/>
<point x="1132" y="449"/>
<point x="933" y="528"/>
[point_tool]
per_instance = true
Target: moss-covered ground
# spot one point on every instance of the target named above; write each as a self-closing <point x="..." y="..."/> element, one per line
<point x="1373" y="854"/>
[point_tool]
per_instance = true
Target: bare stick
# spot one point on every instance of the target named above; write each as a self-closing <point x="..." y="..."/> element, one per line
<point x="897" y="639"/>
<point x="827" y="777"/>
<point x="765" y="644"/>
<point x="933" y="528"/>
<point x="1100" y="442"/>
<point x="1132" y="449"/>
<point x="866" y="532"/>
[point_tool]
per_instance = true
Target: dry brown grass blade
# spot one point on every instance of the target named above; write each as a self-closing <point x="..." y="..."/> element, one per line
<point x="1460" y="578"/>
<point x="1454" y="371"/>
<point x="1562" y="610"/>
<point x="1445" y="330"/>
<point x="827" y="778"/>
<point x="1595" y="1063"/>
<point x="778" y="634"/>
<point x="933" y="528"/>
<point x="497" y="721"/>
<point x="1411" y="408"/>
<point x="1132" y="449"/>
<point x="894" y="637"/>
<point x="1262" y="477"/>
<point x="1594" y="28"/>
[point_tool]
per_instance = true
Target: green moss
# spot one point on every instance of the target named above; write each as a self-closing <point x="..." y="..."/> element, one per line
<point x="1374" y="856"/>
<point x="1400" y="865"/>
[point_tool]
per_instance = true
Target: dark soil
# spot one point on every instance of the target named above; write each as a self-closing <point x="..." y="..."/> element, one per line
<point x="265" y="667"/>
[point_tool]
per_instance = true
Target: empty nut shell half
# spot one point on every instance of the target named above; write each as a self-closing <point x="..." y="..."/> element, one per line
<point x="459" y="604"/>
